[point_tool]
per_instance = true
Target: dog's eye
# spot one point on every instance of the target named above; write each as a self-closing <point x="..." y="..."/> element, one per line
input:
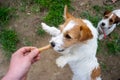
<point x="67" y="36"/>
<point x="111" y="20"/>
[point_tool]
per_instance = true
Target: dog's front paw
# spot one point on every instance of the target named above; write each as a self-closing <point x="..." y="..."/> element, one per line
<point x="61" y="62"/>
<point x="44" y="26"/>
<point x="101" y="37"/>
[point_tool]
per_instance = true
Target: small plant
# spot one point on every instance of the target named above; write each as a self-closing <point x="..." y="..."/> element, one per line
<point x="55" y="13"/>
<point x="44" y="3"/>
<point x="35" y="8"/>
<point x="8" y="40"/>
<point x="4" y="15"/>
<point x="41" y="32"/>
<point x="26" y="42"/>
<point x="93" y="19"/>
<point x="114" y="47"/>
<point x="97" y="8"/>
<point x="22" y="8"/>
<point x="103" y="66"/>
<point x="108" y="7"/>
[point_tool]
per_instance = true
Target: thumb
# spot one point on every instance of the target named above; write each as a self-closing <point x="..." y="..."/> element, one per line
<point x="33" y="53"/>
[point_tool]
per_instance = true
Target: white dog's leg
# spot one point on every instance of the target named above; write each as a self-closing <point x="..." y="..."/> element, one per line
<point x="63" y="60"/>
<point x="51" y="30"/>
<point x="82" y="77"/>
<point x="75" y="77"/>
<point x="111" y="29"/>
<point x="101" y="37"/>
<point x="99" y="30"/>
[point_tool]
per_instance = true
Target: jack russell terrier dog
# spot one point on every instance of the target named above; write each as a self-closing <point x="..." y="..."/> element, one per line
<point x="108" y="23"/>
<point x="76" y="40"/>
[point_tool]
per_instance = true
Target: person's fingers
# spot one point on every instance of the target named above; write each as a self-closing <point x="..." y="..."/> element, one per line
<point x="35" y="60"/>
<point x="37" y="57"/>
<point x="24" y="50"/>
<point x="33" y="53"/>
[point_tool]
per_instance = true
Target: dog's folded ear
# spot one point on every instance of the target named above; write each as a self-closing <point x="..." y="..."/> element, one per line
<point x="117" y="19"/>
<point x="106" y="12"/>
<point x="66" y="13"/>
<point x="85" y="33"/>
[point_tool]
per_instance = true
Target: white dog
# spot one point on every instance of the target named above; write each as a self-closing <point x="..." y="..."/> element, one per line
<point x="77" y="42"/>
<point x="108" y="23"/>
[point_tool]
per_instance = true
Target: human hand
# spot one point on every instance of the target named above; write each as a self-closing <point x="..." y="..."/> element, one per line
<point x="21" y="62"/>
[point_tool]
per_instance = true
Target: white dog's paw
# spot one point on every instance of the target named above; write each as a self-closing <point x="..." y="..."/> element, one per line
<point x="61" y="62"/>
<point x="44" y="26"/>
<point x="101" y="37"/>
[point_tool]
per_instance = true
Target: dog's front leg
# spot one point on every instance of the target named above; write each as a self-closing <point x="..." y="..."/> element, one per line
<point x="63" y="60"/>
<point x="101" y="37"/>
<point x="111" y="29"/>
<point x="51" y="30"/>
<point x="100" y="31"/>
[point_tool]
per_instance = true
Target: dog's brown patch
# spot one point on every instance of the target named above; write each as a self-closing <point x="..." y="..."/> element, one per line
<point x="85" y="33"/>
<point x="79" y="33"/>
<point x="106" y="13"/>
<point x="96" y="73"/>
<point x="113" y="19"/>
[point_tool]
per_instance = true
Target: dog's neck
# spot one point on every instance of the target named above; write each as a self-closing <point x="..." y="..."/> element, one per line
<point x="76" y="49"/>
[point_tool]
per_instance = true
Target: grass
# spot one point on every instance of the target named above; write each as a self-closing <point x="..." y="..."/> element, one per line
<point x="4" y="15"/>
<point x="41" y="32"/>
<point x="108" y="7"/>
<point x="26" y="42"/>
<point x="55" y="10"/>
<point x="103" y="66"/>
<point x="8" y="37"/>
<point x="110" y="45"/>
<point x="8" y="40"/>
<point x="35" y="8"/>
<point x="44" y="3"/>
<point x="114" y="45"/>
<point x="101" y="9"/>
<point x="92" y="18"/>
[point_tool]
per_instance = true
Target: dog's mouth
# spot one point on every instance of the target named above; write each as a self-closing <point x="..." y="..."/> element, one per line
<point x="61" y="50"/>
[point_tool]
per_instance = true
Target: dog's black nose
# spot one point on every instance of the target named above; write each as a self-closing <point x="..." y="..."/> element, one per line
<point x="52" y="44"/>
<point x="103" y="24"/>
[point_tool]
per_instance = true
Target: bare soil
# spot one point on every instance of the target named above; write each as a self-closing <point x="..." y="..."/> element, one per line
<point x="46" y="69"/>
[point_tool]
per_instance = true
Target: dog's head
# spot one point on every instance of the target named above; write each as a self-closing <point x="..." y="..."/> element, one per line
<point x="108" y="20"/>
<point x="73" y="31"/>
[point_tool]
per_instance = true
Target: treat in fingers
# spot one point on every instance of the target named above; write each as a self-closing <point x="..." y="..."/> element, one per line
<point x="44" y="48"/>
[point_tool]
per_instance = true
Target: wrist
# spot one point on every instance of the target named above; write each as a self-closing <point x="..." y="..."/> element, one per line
<point x="10" y="76"/>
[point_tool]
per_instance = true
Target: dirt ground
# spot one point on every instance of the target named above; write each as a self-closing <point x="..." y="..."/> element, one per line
<point x="46" y="69"/>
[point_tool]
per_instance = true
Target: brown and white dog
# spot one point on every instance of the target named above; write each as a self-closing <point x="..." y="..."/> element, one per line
<point x="77" y="42"/>
<point x="108" y="23"/>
